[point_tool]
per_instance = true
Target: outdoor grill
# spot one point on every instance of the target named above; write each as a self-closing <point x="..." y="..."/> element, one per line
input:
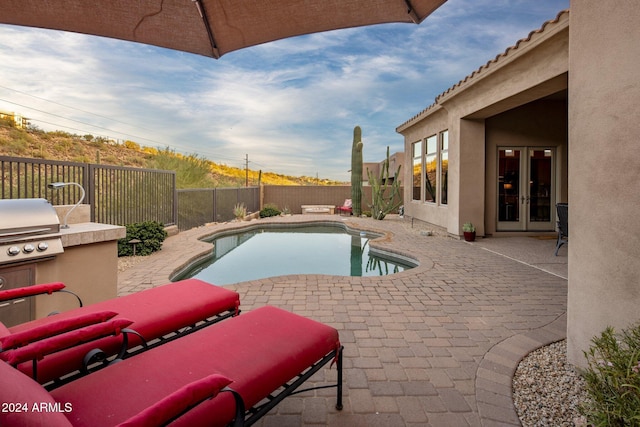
<point x="29" y="231"/>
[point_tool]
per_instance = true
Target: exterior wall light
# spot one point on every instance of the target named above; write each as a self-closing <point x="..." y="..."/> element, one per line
<point x="59" y="185"/>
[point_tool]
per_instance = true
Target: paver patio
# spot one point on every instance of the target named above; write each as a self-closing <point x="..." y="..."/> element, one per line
<point x="436" y="345"/>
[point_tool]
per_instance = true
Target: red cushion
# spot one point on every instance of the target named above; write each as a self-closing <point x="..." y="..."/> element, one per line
<point x="50" y="329"/>
<point x="38" y="349"/>
<point x="155" y="312"/>
<point x="259" y="350"/>
<point x="27" y="291"/>
<point x="19" y="388"/>
<point x="4" y="331"/>
<point x="177" y="402"/>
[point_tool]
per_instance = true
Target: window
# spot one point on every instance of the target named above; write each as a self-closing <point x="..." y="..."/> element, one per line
<point x="444" y="166"/>
<point x="416" y="149"/>
<point x="431" y="169"/>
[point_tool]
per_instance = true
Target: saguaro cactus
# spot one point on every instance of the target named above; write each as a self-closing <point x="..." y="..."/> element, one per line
<point x="356" y="172"/>
<point x="383" y="203"/>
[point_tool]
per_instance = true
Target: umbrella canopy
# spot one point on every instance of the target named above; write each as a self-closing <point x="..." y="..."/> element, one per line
<point x="209" y="27"/>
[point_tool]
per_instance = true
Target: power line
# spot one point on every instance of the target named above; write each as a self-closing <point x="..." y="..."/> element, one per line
<point x="103" y="128"/>
<point x="95" y="126"/>
<point x="105" y="136"/>
<point x="77" y="121"/>
<point x="73" y="108"/>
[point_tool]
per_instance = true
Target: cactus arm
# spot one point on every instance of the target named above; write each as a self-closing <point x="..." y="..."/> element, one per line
<point x="382" y="202"/>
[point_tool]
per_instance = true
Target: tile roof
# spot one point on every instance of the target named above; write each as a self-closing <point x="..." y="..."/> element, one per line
<point x="490" y="65"/>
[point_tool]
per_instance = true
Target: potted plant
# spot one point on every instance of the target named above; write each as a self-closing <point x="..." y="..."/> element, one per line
<point x="469" y="232"/>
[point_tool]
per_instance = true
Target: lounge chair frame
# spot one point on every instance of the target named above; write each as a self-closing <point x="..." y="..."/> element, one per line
<point x="563" y="225"/>
<point x="252" y="415"/>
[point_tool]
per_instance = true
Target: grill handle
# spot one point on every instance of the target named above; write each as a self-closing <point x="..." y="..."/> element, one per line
<point x="19" y="234"/>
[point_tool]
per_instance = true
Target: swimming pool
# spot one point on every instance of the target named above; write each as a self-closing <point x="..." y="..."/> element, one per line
<point x="275" y="251"/>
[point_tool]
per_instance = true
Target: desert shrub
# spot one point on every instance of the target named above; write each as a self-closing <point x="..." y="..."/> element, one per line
<point x="613" y="379"/>
<point x="151" y="235"/>
<point x="269" y="210"/>
<point x="239" y="211"/>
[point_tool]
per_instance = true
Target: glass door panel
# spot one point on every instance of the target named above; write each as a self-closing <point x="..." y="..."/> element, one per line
<point x="525" y="189"/>
<point x="509" y="172"/>
<point x="540" y="194"/>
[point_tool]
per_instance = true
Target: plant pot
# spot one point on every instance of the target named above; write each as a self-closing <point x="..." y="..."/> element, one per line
<point x="469" y="236"/>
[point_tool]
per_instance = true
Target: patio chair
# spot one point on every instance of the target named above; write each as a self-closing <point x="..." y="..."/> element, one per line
<point x="260" y="357"/>
<point x="158" y="315"/>
<point x="563" y="225"/>
<point x="346" y="207"/>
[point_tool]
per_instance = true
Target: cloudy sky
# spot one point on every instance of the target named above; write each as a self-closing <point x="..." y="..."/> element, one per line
<point x="289" y="105"/>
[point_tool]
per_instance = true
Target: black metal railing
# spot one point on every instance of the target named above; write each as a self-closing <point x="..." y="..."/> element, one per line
<point x="28" y="178"/>
<point x="205" y="205"/>
<point x="121" y="195"/>
<point x="117" y="195"/>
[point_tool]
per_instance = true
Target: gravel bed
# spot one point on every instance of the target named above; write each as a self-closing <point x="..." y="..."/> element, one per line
<point x="547" y="390"/>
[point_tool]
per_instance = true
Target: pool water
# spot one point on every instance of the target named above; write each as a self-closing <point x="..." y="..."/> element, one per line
<point x="269" y="252"/>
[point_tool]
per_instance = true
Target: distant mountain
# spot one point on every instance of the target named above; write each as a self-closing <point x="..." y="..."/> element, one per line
<point x="57" y="145"/>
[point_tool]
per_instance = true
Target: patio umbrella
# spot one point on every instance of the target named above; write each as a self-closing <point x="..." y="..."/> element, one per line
<point x="209" y="27"/>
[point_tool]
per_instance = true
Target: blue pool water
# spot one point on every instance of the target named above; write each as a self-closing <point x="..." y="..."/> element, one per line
<point x="269" y="252"/>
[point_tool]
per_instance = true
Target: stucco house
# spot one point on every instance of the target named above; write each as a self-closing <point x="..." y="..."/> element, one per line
<point x="20" y="121"/>
<point x="552" y="119"/>
<point x="492" y="150"/>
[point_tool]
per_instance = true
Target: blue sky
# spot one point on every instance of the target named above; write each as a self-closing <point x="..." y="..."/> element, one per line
<point x="289" y="105"/>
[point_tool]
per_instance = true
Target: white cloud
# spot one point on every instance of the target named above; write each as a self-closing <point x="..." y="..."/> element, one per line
<point x="291" y="105"/>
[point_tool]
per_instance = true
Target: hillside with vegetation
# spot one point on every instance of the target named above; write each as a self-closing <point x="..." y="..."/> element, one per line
<point x="192" y="171"/>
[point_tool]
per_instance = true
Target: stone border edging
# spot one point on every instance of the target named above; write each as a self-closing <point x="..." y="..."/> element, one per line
<point x="494" y="377"/>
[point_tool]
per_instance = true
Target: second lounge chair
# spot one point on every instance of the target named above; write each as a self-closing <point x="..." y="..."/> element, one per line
<point x="158" y="314"/>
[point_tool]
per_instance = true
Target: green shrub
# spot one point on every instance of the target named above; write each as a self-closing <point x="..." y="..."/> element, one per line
<point x="269" y="210"/>
<point x="151" y="235"/>
<point x="613" y="379"/>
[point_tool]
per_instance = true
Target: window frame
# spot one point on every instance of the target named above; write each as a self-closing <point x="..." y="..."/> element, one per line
<point x="415" y="159"/>
<point x="431" y="188"/>
<point x="443" y="155"/>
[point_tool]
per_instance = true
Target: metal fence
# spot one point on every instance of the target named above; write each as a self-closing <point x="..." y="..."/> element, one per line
<point x="117" y="195"/>
<point x="129" y="195"/>
<point x="197" y="207"/>
<point x="124" y="195"/>
<point x="28" y="178"/>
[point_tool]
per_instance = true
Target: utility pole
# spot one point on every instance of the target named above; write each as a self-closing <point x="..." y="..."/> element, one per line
<point x="246" y="170"/>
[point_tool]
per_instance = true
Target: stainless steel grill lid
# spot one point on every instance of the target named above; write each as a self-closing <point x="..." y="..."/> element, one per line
<point x="29" y="230"/>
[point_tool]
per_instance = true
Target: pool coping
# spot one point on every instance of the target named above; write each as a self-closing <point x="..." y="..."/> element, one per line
<point x="254" y="225"/>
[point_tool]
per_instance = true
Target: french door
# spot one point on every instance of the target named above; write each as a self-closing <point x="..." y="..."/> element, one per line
<point x="526" y="189"/>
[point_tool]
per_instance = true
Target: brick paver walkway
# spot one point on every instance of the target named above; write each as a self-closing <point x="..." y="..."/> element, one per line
<point x="436" y="345"/>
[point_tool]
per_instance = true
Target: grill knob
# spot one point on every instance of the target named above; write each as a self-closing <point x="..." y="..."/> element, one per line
<point x="28" y="248"/>
<point x="43" y="246"/>
<point x="13" y="251"/>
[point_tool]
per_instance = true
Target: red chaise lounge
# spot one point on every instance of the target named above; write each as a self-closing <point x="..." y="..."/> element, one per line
<point x="158" y="314"/>
<point x="263" y="356"/>
<point x="346" y="208"/>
